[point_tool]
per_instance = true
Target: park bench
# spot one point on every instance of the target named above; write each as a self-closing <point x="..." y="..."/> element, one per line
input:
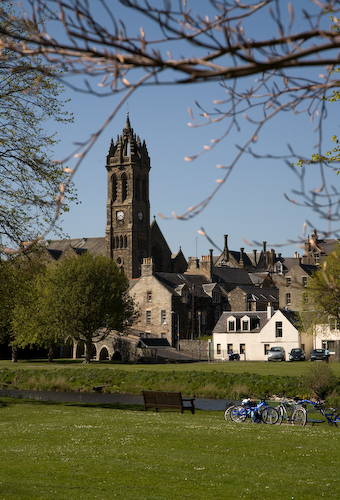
<point x="164" y="399"/>
<point x="99" y="388"/>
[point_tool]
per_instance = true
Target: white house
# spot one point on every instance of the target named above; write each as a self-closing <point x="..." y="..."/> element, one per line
<point x="252" y="334"/>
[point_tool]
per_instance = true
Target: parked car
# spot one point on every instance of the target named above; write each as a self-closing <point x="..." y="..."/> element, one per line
<point x="297" y="354"/>
<point x="276" y="354"/>
<point x="318" y="355"/>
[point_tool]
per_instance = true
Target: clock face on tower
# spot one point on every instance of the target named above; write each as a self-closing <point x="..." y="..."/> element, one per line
<point x="120" y="215"/>
<point x="140" y="216"/>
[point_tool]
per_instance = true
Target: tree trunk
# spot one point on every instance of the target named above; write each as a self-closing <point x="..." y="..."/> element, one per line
<point x="88" y="344"/>
<point x="50" y="354"/>
<point x="14" y="355"/>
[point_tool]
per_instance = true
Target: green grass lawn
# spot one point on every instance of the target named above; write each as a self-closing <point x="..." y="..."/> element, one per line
<point x="53" y="451"/>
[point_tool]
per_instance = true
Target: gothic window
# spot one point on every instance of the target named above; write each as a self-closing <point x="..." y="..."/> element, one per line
<point x="113" y="242"/>
<point x="125" y="241"/>
<point x="121" y="242"/>
<point x="117" y="242"/>
<point x="114" y="187"/>
<point x="124" y="187"/>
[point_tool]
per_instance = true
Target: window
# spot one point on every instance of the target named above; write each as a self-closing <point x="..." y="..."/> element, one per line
<point x="163" y="317"/>
<point x="242" y="348"/>
<point x="185" y="297"/>
<point x="304" y="281"/>
<point x="163" y="335"/>
<point x="245" y="325"/>
<point x="218" y="349"/>
<point x="229" y="348"/>
<point x="148" y="317"/>
<point x="288" y="281"/>
<point x="216" y="298"/>
<point x="124" y="187"/>
<point x="278" y="268"/>
<point x="288" y="299"/>
<point x="149" y="296"/>
<point x="266" y="349"/>
<point x="317" y="258"/>
<point x="278" y="329"/>
<point x="231" y="326"/>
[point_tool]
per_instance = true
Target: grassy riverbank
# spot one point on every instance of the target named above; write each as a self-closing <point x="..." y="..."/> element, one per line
<point x="214" y="380"/>
<point x="73" y="452"/>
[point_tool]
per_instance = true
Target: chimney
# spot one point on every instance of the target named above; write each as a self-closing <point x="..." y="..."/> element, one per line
<point x="270" y="310"/>
<point x="147" y="267"/>
<point x="241" y="257"/>
<point x="255" y="257"/>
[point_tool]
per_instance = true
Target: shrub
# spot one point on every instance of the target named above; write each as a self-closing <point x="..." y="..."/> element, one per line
<point x="321" y="380"/>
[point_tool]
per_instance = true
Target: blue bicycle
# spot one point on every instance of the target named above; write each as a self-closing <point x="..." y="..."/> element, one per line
<point x="259" y="412"/>
<point x="332" y="415"/>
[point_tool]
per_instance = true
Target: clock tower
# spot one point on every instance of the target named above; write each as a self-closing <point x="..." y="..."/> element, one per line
<point x="128" y="207"/>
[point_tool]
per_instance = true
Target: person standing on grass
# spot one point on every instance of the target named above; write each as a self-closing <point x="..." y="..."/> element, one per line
<point x="327" y="355"/>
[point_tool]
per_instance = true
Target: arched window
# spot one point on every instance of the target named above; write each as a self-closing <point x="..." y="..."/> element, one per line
<point x="124" y="187"/>
<point x="113" y="242"/>
<point x="114" y="187"/>
<point x="121" y="242"/>
<point x="125" y="241"/>
<point x="117" y="242"/>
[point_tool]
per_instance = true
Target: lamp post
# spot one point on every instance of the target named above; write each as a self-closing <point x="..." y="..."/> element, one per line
<point x="173" y="315"/>
<point x="199" y="313"/>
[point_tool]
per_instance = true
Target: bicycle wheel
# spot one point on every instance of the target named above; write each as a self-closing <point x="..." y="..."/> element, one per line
<point x="299" y="416"/>
<point x="227" y="412"/>
<point x="238" y="414"/>
<point x="270" y="415"/>
<point x="280" y="411"/>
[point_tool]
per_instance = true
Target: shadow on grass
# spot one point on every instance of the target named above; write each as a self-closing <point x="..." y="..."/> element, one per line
<point x="6" y="401"/>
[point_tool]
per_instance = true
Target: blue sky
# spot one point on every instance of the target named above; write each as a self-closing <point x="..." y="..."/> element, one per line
<point x="251" y="206"/>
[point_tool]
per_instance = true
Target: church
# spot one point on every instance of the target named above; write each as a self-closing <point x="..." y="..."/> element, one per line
<point x="130" y="236"/>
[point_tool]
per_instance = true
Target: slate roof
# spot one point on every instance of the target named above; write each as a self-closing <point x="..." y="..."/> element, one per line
<point x="95" y="246"/>
<point x="261" y="294"/>
<point x="231" y="276"/>
<point x="221" y="325"/>
<point x="173" y="281"/>
<point x="156" y="343"/>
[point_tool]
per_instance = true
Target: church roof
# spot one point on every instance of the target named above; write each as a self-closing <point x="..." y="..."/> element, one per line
<point x="95" y="246"/>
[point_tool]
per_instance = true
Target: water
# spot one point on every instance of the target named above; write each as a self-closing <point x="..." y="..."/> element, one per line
<point x="94" y="397"/>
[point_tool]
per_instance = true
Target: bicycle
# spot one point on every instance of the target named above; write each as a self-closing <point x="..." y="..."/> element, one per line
<point x="266" y="414"/>
<point x="332" y="415"/>
<point x="294" y="413"/>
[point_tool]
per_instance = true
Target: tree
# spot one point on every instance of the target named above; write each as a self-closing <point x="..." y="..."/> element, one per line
<point x="81" y="297"/>
<point x="186" y="42"/>
<point x="30" y="181"/>
<point x="17" y="276"/>
<point x="322" y="296"/>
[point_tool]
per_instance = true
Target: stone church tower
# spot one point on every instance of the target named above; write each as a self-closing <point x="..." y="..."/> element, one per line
<point x="127" y="235"/>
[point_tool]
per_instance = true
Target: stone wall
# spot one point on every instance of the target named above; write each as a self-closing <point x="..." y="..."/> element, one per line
<point x="192" y="348"/>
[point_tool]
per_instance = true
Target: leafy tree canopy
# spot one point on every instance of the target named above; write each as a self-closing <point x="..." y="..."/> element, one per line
<point x="29" y="180"/>
<point x="81" y="297"/>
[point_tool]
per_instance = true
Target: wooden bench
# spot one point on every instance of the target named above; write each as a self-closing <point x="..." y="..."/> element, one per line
<point x="164" y="399"/>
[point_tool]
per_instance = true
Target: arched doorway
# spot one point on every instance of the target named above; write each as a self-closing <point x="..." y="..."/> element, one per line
<point x="104" y="354"/>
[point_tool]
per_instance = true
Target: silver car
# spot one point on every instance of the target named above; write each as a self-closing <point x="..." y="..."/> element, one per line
<point x="276" y="354"/>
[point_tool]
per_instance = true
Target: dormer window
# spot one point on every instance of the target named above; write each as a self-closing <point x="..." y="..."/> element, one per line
<point x="231" y="325"/>
<point x="185" y="297"/>
<point x="245" y="325"/>
<point x="278" y="268"/>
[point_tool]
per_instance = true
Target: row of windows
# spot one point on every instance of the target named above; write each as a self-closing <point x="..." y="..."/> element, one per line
<point x="230" y="349"/>
<point x="244" y="324"/>
<point x="148" y="317"/>
<point x="140" y="188"/>
<point x="185" y="297"/>
<point x="119" y="242"/>
<point x="303" y="279"/>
